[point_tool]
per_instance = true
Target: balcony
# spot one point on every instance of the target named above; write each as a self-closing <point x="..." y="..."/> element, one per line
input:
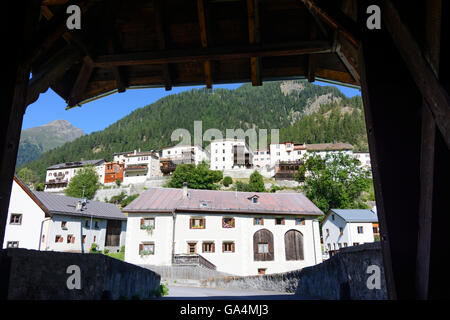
<point x="136" y="168"/>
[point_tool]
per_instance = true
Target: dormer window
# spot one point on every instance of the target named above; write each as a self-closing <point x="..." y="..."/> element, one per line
<point x="203" y="204"/>
<point x="254" y="199"/>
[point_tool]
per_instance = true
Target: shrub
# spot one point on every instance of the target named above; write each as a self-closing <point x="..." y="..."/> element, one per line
<point x="93" y="249"/>
<point x="122" y="249"/>
<point x="227" y="181"/>
<point x="105" y="251"/>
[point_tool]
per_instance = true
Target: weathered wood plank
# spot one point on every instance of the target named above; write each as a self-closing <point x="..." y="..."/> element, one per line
<point x="161" y="32"/>
<point x="254" y="38"/>
<point x="205" y="39"/>
<point x="435" y="95"/>
<point x="203" y="54"/>
<point x="427" y="154"/>
<point x="81" y="82"/>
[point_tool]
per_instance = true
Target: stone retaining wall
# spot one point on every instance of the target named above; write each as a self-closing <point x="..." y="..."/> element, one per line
<point x="43" y="275"/>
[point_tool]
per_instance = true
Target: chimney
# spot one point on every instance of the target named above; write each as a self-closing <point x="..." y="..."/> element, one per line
<point x="135" y="152"/>
<point x="185" y="190"/>
<point x="79" y="205"/>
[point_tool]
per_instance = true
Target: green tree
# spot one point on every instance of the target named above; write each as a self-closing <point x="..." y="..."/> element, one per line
<point x="86" y="177"/>
<point x="27" y="176"/>
<point x="227" y="181"/>
<point x="336" y="181"/>
<point x="196" y="176"/>
<point x="256" y="182"/>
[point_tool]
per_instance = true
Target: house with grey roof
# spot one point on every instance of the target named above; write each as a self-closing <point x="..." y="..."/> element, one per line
<point x="46" y="221"/>
<point x="348" y="227"/>
<point x="59" y="175"/>
<point x="241" y="233"/>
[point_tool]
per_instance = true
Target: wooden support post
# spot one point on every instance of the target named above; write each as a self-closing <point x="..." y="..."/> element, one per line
<point x="427" y="149"/>
<point x="205" y="38"/>
<point x="160" y="25"/>
<point x="21" y="21"/>
<point x="254" y="38"/>
<point x="436" y="97"/>
<point x="311" y="76"/>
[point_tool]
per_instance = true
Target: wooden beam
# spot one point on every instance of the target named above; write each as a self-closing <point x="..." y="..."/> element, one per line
<point x="311" y="67"/>
<point x="49" y="39"/>
<point x="205" y="39"/>
<point x="335" y="18"/>
<point x="348" y="63"/>
<point x="435" y="95"/>
<point x="81" y="82"/>
<point x="42" y="80"/>
<point x="161" y="32"/>
<point x="203" y="54"/>
<point x="427" y="154"/>
<point x="254" y="38"/>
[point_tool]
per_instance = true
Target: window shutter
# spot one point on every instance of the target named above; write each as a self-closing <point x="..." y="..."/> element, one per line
<point x="223" y="246"/>
<point x="72" y="240"/>
<point x="262" y="221"/>
<point x="213" y="249"/>
<point x="303" y="221"/>
<point x="204" y="223"/>
<point x="61" y="239"/>
<point x="142" y="222"/>
<point x="232" y="247"/>
<point x="282" y="221"/>
<point x="141" y="247"/>
<point x="190" y="223"/>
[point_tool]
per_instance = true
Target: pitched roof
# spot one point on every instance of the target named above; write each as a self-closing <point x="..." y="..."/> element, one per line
<point x="76" y="164"/>
<point x="58" y="204"/>
<point x="356" y="215"/>
<point x="31" y="195"/>
<point x="169" y="200"/>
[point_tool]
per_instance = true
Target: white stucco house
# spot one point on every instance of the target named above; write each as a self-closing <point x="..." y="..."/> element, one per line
<point x="240" y="233"/>
<point x="185" y="154"/>
<point x="47" y="221"/>
<point x="59" y="175"/>
<point x="226" y="154"/>
<point x="140" y="166"/>
<point x="348" y="227"/>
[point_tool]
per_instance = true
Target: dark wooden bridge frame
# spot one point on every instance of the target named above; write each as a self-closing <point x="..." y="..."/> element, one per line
<point x="405" y="88"/>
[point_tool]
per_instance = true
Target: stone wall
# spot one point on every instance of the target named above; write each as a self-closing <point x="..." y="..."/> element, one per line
<point x="343" y="276"/>
<point x="42" y="275"/>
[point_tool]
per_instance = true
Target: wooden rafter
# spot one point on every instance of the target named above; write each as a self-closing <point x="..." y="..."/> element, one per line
<point x="435" y="95"/>
<point x="81" y="82"/>
<point x="427" y="152"/>
<point x="254" y="38"/>
<point x="203" y="54"/>
<point x="161" y="32"/>
<point x="205" y="39"/>
<point x="311" y="75"/>
<point x="345" y="58"/>
<point x="41" y="81"/>
<point x="336" y="19"/>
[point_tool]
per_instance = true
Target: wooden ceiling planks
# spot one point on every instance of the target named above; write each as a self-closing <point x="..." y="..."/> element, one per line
<point x="196" y="42"/>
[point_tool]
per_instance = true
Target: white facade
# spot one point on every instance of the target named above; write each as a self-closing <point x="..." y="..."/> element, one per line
<point x="31" y="226"/>
<point x="286" y="152"/>
<point x="364" y="157"/>
<point x="180" y="153"/>
<point x="222" y="155"/>
<point x="338" y="233"/>
<point x="58" y="177"/>
<point x="139" y="166"/>
<point x="170" y="228"/>
<point x="262" y="159"/>
<point x="26" y="220"/>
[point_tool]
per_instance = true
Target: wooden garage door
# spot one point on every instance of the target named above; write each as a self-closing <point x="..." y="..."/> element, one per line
<point x="113" y="230"/>
<point x="293" y="243"/>
<point x="263" y="245"/>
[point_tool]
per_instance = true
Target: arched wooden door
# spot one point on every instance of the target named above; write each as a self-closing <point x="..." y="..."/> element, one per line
<point x="263" y="245"/>
<point x="293" y="244"/>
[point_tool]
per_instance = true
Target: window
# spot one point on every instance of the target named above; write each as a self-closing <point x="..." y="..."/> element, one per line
<point x="228" y="247"/>
<point x="12" y="244"/>
<point x="339" y="245"/>
<point x="329" y="246"/>
<point x="86" y="224"/>
<point x="279" y="221"/>
<point x="332" y="217"/>
<point x="341" y="231"/>
<point x="148" y="223"/>
<point x="360" y="229"/>
<point x="43" y="238"/>
<point x="356" y="243"/>
<point x="262" y="271"/>
<point x="258" y="221"/>
<point x="255" y="199"/>
<point x="95" y="238"/>
<point x="208" y="247"/>
<point x="192" y="248"/>
<point x="197" y="223"/>
<point x="96" y="224"/>
<point x="228" y="223"/>
<point x="70" y="238"/>
<point x="263" y="248"/>
<point x="15" y="219"/>
<point x="328" y="232"/>
<point x="345" y="244"/>
<point x="84" y="238"/>
<point x="300" y="221"/>
<point x="64" y="225"/>
<point x="146" y="248"/>
<point x="58" y="238"/>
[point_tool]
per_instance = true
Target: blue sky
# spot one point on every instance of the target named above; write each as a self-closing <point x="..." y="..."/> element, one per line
<point x="99" y="114"/>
